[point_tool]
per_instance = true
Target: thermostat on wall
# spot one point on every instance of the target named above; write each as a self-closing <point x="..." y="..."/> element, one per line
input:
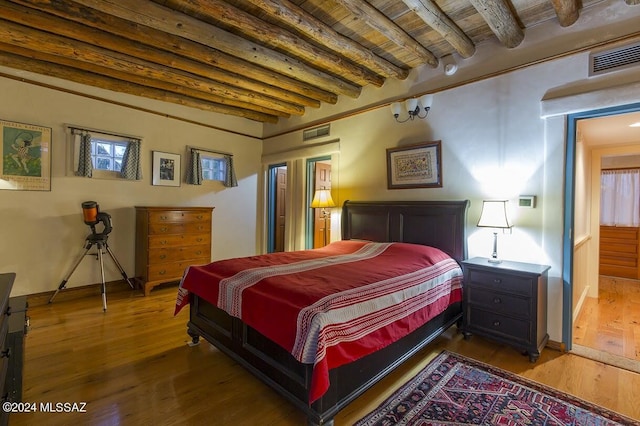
<point x="527" y="201"/>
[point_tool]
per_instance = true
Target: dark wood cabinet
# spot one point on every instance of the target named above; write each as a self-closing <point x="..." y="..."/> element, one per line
<point x="168" y="240"/>
<point x="13" y="328"/>
<point x="506" y="302"/>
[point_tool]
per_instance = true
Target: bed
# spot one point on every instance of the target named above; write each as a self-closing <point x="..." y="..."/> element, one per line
<point x="366" y="227"/>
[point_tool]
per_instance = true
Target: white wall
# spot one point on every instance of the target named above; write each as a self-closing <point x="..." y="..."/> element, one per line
<point x="494" y="145"/>
<point x="42" y="233"/>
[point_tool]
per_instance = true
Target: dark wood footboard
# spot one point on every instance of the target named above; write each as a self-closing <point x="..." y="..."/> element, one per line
<point x="280" y="370"/>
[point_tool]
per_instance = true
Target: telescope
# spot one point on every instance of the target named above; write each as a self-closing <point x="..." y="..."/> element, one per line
<point x="92" y="216"/>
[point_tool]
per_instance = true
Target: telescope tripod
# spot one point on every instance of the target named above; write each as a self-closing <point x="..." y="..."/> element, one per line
<point x="100" y="241"/>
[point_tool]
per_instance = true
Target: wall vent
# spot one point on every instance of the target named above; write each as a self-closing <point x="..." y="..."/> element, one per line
<point x="615" y="59"/>
<point x="316" y="132"/>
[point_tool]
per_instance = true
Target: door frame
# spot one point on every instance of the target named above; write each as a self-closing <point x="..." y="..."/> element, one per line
<point x="272" y="182"/>
<point x="309" y="215"/>
<point x="569" y="210"/>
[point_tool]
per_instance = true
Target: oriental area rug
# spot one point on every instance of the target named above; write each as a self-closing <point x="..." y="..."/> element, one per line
<point x="455" y="390"/>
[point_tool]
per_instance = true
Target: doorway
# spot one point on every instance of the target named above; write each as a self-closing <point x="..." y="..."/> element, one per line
<point x="318" y="220"/>
<point x="598" y="307"/>
<point x="277" y="207"/>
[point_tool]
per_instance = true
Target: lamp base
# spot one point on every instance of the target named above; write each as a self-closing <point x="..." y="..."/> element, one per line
<point x="494" y="260"/>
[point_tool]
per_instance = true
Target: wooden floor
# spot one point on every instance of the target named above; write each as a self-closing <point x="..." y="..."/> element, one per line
<point x="611" y="323"/>
<point x="132" y="366"/>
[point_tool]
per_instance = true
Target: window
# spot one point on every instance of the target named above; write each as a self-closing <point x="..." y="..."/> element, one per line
<point x="107" y="154"/>
<point x="213" y="168"/>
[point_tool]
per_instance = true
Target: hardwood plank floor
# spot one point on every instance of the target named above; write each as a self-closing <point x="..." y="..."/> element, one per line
<point x="611" y="323"/>
<point x="132" y="366"/>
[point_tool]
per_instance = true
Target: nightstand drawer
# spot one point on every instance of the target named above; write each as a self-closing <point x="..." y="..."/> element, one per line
<point x="502" y="303"/>
<point x="491" y="323"/>
<point x="502" y="282"/>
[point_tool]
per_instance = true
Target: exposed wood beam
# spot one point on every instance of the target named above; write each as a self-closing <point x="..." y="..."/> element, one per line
<point x="276" y="38"/>
<point x="567" y="11"/>
<point x="71" y="74"/>
<point x="178" y="45"/>
<point x="40" y="41"/>
<point x="431" y="14"/>
<point x="305" y="23"/>
<point x="378" y="21"/>
<point x="501" y="21"/>
<point x="96" y="37"/>
<point x="156" y="16"/>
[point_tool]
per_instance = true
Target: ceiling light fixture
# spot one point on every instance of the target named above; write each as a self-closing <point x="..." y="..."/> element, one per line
<point x="415" y="107"/>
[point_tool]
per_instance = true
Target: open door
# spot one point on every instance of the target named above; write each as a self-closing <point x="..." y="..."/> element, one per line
<point x="322" y="221"/>
<point x="277" y="207"/>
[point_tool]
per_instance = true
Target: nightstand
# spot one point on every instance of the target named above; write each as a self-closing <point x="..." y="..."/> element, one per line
<point x="506" y="302"/>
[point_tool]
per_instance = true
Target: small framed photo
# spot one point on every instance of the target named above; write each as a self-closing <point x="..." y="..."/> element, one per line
<point x="415" y="166"/>
<point x="166" y="169"/>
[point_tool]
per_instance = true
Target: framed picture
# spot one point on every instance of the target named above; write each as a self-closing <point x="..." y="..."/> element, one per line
<point x="415" y="166"/>
<point x="26" y="157"/>
<point x="166" y="169"/>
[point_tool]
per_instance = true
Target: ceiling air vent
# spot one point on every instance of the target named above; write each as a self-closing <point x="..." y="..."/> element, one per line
<point x="316" y="132"/>
<point x="614" y="59"/>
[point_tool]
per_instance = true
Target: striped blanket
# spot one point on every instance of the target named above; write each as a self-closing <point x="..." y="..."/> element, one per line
<point x="333" y="305"/>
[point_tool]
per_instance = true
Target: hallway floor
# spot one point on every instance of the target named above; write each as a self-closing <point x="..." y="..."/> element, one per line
<point x="609" y="327"/>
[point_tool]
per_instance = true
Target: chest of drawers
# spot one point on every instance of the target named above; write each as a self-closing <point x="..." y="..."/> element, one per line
<point x="168" y="239"/>
<point x="506" y="302"/>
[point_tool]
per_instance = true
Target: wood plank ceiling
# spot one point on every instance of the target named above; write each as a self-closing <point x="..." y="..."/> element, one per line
<point x="259" y="59"/>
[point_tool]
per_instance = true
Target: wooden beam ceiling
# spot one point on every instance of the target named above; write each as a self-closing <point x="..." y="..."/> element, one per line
<point x="263" y="60"/>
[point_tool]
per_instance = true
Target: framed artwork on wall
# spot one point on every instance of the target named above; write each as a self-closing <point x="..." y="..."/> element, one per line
<point x="415" y="166"/>
<point x="166" y="169"/>
<point x="26" y="157"/>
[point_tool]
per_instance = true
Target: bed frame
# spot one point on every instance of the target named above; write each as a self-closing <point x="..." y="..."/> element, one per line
<point x="436" y="223"/>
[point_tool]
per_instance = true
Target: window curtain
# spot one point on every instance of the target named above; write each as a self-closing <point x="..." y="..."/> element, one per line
<point x="620" y="197"/>
<point x="194" y="169"/>
<point x="85" y="166"/>
<point x="131" y="169"/>
<point x="230" y="174"/>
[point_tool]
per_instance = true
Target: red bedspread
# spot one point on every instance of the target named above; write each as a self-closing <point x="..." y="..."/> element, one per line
<point x="333" y="305"/>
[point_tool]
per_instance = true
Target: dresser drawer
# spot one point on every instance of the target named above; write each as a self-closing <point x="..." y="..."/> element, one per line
<point x="502" y="303"/>
<point x="159" y="241"/>
<point x="161" y="255"/>
<point x="171" y="270"/>
<point x="502" y="282"/>
<point x="179" y="216"/>
<point x="492" y="323"/>
<point x="166" y="228"/>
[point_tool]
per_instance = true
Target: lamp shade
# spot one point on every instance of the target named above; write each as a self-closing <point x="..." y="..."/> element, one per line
<point x="322" y="198"/>
<point x="411" y="104"/>
<point x="494" y="215"/>
<point x="426" y="101"/>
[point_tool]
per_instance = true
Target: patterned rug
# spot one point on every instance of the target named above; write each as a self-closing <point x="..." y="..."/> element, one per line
<point x="455" y="390"/>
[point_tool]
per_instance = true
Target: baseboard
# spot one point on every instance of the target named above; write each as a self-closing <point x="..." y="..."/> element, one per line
<point x="66" y="294"/>
<point x="558" y="346"/>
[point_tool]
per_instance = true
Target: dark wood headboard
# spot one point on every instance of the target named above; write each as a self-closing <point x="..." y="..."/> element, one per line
<point x="439" y="224"/>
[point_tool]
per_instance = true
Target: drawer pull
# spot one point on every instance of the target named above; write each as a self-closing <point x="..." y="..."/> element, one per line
<point x="163" y="256"/>
<point x="200" y="228"/>
<point x="163" y="242"/>
<point x="164" y="217"/>
<point x="497" y="280"/>
<point x="497" y="300"/>
<point x="6" y="353"/>
<point x="200" y="216"/>
<point x="199" y="252"/>
<point x="162" y="272"/>
<point x="496" y="323"/>
<point x="200" y="239"/>
<point x="164" y="229"/>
